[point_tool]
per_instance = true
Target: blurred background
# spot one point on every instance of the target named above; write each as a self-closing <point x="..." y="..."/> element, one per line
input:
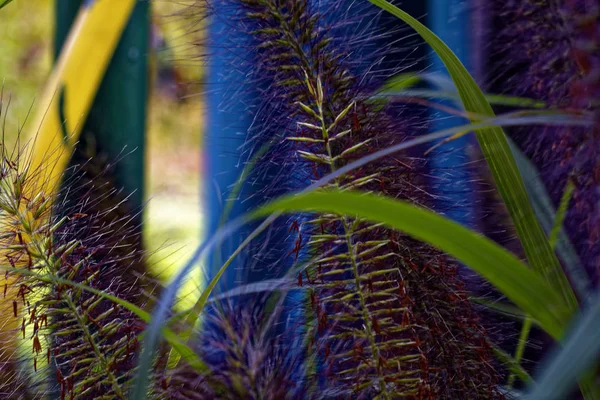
<point x="172" y="219"/>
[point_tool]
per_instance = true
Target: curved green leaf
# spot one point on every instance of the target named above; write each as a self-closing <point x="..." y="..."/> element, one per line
<point x="4" y="2"/>
<point x="546" y="215"/>
<point x="502" y="269"/>
<point x="497" y="153"/>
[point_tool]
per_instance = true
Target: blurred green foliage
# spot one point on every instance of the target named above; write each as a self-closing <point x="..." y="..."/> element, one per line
<point x="25" y="59"/>
<point x="172" y="220"/>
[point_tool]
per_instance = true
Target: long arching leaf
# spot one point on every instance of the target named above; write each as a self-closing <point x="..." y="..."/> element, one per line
<point x="502" y="269"/>
<point x="497" y="153"/>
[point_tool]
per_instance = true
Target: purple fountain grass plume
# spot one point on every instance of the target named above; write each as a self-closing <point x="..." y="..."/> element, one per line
<point x="75" y="343"/>
<point x="548" y="50"/>
<point x="257" y="362"/>
<point x="388" y="317"/>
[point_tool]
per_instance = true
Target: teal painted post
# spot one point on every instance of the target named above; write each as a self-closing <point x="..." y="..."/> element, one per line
<point x="116" y="123"/>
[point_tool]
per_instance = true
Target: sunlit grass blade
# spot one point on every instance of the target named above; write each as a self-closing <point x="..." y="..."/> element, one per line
<point x="549" y="219"/>
<point x="497" y="153"/>
<point x="4" y="2"/>
<point x="556" y="228"/>
<point x="502" y="269"/>
<point x="543" y="117"/>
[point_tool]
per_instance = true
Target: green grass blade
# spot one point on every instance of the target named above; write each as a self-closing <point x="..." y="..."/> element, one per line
<point x="500" y="307"/>
<point x="523" y="338"/>
<point x="4" y="2"/>
<point x="513" y="365"/>
<point x="561" y="213"/>
<point x="558" y="222"/>
<point x="502" y="269"/>
<point x="546" y="215"/>
<point x="579" y="353"/>
<point x="497" y="153"/>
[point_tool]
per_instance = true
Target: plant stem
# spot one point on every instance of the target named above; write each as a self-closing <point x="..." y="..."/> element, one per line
<point x="348" y="231"/>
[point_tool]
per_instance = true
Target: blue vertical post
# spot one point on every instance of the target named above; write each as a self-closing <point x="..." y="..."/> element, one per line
<point x="231" y="115"/>
<point x="226" y="133"/>
<point x="233" y="137"/>
<point x="451" y="20"/>
<point x="230" y="118"/>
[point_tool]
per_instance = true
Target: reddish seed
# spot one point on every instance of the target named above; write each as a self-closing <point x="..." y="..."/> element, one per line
<point x="376" y="326"/>
<point x="294" y="227"/>
<point x="37" y="346"/>
<point x="327" y="351"/>
<point x="315" y="172"/>
<point x="383" y="362"/>
<point x="23" y="290"/>
<point x="15" y="307"/>
<point x="78" y="215"/>
<point x="308" y="277"/>
<point x="355" y="122"/>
